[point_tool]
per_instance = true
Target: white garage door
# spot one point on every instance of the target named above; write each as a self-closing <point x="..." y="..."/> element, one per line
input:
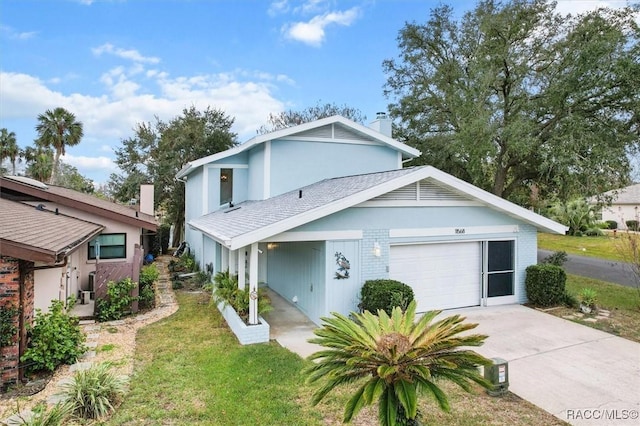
<point x="443" y="276"/>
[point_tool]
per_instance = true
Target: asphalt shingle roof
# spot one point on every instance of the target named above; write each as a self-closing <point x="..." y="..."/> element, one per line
<point x="249" y="216"/>
<point x="25" y="225"/>
<point x="628" y="195"/>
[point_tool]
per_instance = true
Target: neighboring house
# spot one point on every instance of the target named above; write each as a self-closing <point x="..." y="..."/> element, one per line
<point x="56" y="243"/>
<point x="315" y="210"/>
<point x="624" y="205"/>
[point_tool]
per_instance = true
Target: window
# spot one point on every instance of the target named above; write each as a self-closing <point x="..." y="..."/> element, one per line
<point x="226" y="186"/>
<point x="500" y="269"/>
<point x="112" y="246"/>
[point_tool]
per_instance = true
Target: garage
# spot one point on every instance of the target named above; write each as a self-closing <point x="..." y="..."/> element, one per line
<point x="443" y="275"/>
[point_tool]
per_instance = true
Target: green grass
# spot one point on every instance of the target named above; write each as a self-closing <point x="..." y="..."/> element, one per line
<point x="622" y="302"/>
<point x="190" y="370"/>
<point x="605" y="247"/>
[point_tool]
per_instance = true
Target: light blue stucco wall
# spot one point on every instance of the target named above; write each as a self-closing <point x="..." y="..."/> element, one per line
<point x="298" y="163"/>
<point x="297" y="270"/>
<point x="255" y="157"/>
<point x="193" y="209"/>
<point x="375" y="224"/>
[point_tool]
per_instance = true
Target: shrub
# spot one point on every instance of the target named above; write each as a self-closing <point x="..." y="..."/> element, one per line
<point x="588" y="297"/>
<point x="594" y="232"/>
<point x="612" y="224"/>
<point x="94" y="391"/>
<point x="176" y="284"/>
<point x="55" y="339"/>
<point x="557" y="258"/>
<point x="227" y="291"/>
<point x="545" y="284"/>
<point x="8" y="328"/>
<point x="41" y="416"/>
<point x="632" y="225"/>
<point x="577" y="214"/>
<point x="569" y="300"/>
<point x="149" y="274"/>
<point x="384" y="294"/>
<point x="118" y="300"/>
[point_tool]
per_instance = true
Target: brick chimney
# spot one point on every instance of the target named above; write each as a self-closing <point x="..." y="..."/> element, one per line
<point x="382" y="124"/>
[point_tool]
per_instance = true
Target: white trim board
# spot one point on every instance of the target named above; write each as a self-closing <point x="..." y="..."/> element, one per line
<point x="460" y="231"/>
<point x="416" y="203"/>
<point x="227" y="166"/>
<point x="315" y="236"/>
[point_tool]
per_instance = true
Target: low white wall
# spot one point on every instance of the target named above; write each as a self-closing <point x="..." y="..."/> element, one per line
<point x="246" y="334"/>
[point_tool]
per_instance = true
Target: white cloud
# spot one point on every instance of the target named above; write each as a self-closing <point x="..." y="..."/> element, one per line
<point x="278" y="7"/>
<point x="130" y="54"/>
<point x="82" y="162"/>
<point x="313" y="31"/>
<point x="17" y="35"/>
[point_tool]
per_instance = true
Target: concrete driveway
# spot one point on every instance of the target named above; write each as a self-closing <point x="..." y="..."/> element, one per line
<point x="579" y="374"/>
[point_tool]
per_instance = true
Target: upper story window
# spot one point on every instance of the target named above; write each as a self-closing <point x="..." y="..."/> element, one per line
<point x="110" y="246"/>
<point x="226" y="186"/>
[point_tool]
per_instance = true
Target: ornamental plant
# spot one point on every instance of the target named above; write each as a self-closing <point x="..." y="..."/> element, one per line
<point x="55" y="339"/>
<point x="394" y="360"/>
<point x="8" y="328"/>
<point x="118" y="300"/>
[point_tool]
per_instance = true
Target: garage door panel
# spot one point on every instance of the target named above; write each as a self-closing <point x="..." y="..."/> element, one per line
<point x="443" y="276"/>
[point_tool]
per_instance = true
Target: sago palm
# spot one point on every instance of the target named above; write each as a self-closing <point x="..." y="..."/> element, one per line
<point x="58" y="128"/>
<point x="394" y="359"/>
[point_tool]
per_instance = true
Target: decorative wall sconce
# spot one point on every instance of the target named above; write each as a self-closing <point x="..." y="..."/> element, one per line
<point x="376" y="249"/>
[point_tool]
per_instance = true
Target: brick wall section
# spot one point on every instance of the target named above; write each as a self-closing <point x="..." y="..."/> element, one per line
<point x="9" y="297"/>
<point x="15" y="275"/>
<point x="373" y="267"/>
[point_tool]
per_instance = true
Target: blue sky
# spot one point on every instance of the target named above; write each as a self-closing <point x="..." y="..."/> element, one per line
<point x="115" y="63"/>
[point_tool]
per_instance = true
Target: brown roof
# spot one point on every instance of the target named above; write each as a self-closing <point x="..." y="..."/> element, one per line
<point x="40" y="235"/>
<point x="19" y="189"/>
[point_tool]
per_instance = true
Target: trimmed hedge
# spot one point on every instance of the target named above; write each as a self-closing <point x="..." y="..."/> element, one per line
<point x="545" y="284"/>
<point x="385" y="295"/>
<point x="632" y="225"/>
<point x="612" y="224"/>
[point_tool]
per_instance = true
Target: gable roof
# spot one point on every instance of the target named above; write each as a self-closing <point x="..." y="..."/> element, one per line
<point x="626" y="195"/>
<point x="39" y="235"/>
<point x="306" y="130"/>
<point x="24" y="189"/>
<point x="254" y="221"/>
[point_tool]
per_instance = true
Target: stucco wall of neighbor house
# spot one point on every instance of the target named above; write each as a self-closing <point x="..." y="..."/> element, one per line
<point x="621" y="214"/>
<point x="295" y="163"/>
<point x="49" y="285"/>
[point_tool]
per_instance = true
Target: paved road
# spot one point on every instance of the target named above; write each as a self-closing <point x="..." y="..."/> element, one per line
<point x="600" y="269"/>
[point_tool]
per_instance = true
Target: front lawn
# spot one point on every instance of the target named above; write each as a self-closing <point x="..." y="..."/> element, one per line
<point x="605" y="247"/>
<point x="623" y="304"/>
<point x="190" y="370"/>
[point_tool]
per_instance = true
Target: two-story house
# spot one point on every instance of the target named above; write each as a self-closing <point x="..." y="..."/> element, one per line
<point x="314" y="211"/>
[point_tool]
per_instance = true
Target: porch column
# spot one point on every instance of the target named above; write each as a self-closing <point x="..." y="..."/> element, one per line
<point x="233" y="264"/>
<point x="242" y="266"/>
<point x="253" y="284"/>
<point x="224" y="259"/>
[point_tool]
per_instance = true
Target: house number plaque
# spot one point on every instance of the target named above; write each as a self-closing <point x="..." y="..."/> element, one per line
<point x="253" y="295"/>
<point x="460" y="230"/>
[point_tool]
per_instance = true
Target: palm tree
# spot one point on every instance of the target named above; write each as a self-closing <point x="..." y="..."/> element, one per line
<point x="39" y="163"/>
<point x="58" y="129"/>
<point x="9" y="147"/>
<point x="393" y="358"/>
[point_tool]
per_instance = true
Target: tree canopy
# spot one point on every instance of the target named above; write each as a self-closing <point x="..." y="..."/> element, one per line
<point x="513" y="96"/>
<point x="292" y="118"/>
<point x="158" y="151"/>
<point x="9" y="148"/>
<point x="58" y="129"/>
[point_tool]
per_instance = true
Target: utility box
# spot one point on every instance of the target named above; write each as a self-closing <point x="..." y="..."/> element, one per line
<point x="498" y="374"/>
